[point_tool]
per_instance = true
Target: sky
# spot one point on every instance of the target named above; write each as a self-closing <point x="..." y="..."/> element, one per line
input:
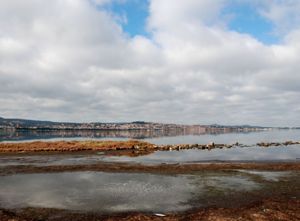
<point x="190" y="62"/>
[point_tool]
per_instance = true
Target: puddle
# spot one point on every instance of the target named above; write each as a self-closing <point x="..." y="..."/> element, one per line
<point x="116" y="192"/>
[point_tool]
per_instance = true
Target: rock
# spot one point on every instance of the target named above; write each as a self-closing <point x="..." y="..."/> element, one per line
<point x="210" y="145"/>
<point x="203" y="147"/>
<point x="262" y="144"/>
<point x="288" y="143"/>
<point x="159" y="214"/>
<point x="194" y="145"/>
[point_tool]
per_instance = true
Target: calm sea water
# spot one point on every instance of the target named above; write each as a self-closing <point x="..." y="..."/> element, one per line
<point x="238" y="154"/>
<point x="253" y="153"/>
<point x="156" y="137"/>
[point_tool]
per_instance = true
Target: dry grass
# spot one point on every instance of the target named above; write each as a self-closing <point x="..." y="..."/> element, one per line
<point x="64" y="146"/>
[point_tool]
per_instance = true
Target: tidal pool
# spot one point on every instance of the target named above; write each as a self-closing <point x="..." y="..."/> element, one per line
<point x="118" y="192"/>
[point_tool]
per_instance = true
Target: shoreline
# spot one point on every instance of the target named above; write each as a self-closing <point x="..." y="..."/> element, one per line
<point x="266" y="209"/>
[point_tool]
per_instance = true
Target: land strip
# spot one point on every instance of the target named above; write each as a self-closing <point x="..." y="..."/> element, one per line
<point x="142" y="168"/>
<point x="134" y="145"/>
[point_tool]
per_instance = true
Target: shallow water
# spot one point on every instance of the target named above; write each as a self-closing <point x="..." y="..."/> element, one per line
<point x="254" y="153"/>
<point x="57" y="159"/>
<point x="267" y="175"/>
<point x="250" y="138"/>
<point x="289" y="153"/>
<point x="237" y="154"/>
<point x="119" y="192"/>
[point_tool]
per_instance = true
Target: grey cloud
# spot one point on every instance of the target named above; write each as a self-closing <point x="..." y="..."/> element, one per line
<point x="71" y="61"/>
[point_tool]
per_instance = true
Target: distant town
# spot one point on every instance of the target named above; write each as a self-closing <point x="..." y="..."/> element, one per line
<point x="22" y="124"/>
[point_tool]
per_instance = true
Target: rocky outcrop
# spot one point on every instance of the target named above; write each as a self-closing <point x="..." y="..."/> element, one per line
<point x="287" y="143"/>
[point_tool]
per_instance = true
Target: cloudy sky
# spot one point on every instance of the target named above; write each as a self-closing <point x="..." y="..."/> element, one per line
<point x="191" y="61"/>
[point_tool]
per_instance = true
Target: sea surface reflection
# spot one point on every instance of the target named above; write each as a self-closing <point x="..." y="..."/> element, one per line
<point x="119" y="192"/>
<point x="156" y="136"/>
<point x="237" y="154"/>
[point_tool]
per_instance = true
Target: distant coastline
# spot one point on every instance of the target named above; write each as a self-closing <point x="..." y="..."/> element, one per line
<point x="24" y="124"/>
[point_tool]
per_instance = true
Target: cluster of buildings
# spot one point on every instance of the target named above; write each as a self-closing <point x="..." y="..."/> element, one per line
<point x="20" y="124"/>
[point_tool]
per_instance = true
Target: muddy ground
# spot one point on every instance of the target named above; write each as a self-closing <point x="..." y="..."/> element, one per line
<point x="160" y="168"/>
<point x="260" y="210"/>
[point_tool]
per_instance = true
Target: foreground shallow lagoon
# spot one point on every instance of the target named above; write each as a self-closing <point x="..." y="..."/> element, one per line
<point x="123" y="192"/>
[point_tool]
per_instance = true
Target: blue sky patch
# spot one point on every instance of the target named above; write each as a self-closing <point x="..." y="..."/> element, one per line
<point x="135" y="12"/>
<point x="246" y="19"/>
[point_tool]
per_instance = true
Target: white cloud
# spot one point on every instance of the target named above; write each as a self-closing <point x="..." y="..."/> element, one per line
<point x="70" y="60"/>
<point x="167" y="14"/>
<point x="283" y="13"/>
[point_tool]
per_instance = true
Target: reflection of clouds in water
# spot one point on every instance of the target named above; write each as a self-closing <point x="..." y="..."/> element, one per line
<point x="46" y="199"/>
<point x="97" y="191"/>
<point x="237" y="183"/>
<point x="62" y="159"/>
<point x="267" y="175"/>
<point x="232" y="154"/>
<point x="227" y="138"/>
<point x="160" y="137"/>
